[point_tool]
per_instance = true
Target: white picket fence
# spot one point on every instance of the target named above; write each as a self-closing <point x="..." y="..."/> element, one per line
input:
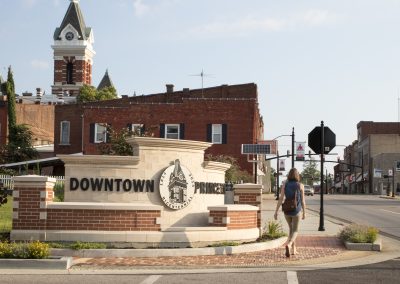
<point x="8" y="182"/>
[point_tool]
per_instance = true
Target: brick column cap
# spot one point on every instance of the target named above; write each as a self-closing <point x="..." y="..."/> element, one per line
<point x="248" y="188"/>
<point x="32" y="181"/>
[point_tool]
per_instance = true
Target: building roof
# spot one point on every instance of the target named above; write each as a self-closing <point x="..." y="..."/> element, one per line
<point x="105" y="82"/>
<point x="74" y="17"/>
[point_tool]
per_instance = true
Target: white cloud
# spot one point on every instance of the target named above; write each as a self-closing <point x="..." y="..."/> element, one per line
<point x="39" y="64"/>
<point x="28" y="3"/>
<point x="140" y="8"/>
<point x="251" y="24"/>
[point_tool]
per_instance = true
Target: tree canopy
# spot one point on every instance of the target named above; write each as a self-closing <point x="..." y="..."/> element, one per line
<point x="89" y="93"/>
<point x="310" y="172"/>
<point x="10" y="92"/>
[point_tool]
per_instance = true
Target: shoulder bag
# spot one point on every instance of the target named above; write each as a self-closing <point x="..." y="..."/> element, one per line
<point x="290" y="204"/>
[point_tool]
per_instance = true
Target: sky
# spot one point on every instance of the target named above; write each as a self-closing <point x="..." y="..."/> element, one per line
<point x="336" y="61"/>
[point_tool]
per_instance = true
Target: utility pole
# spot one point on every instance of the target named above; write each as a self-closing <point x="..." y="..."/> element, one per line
<point x="277" y="175"/>
<point x="321" y="211"/>
<point x="292" y="147"/>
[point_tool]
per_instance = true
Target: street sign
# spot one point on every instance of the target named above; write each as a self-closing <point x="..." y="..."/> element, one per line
<point x="314" y="140"/>
<point x="390" y="172"/>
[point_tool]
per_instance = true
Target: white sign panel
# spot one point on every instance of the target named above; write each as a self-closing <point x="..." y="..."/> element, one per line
<point x="300" y="150"/>
<point x="390" y="172"/>
<point x="377" y="173"/>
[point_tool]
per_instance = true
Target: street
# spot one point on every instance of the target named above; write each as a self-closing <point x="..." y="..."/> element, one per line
<point x="371" y="210"/>
<point x="384" y="272"/>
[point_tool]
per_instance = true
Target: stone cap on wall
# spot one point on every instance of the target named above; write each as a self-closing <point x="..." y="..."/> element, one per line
<point x="104" y="206"/>
<point x="103" y="160"/>
<point x="167" y="143"/>
<point x="233" y="207"/>
<point x="217" y="166"/>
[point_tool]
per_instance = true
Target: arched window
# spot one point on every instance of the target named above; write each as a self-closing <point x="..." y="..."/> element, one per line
<point x="70" y="67"/>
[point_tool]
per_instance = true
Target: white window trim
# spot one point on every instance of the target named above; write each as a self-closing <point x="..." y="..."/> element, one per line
<point x="172" y="125"/>
<point x="133" y="125"/>
<point x="61" y="132"/>
<point x="213" y="132"/>
<point x="95" y="132"/>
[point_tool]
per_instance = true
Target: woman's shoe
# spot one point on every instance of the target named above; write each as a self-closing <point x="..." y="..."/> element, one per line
<point x="287" y="252"/>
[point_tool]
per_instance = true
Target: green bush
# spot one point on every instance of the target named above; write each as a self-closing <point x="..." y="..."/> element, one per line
<point x="34" y="249"/>
<point x="273" y="230"/>
<point x="225" y="244"/>
<point x="82" y="245"/>
<point x="355" y="233"/>
<point x="58" y="192"/>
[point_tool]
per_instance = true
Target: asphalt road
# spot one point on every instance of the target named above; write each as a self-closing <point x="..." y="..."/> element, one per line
<point x="362" y="209"/>
<point x="384" y="272"/>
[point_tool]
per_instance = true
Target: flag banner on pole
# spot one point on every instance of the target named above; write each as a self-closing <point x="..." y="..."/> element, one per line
<point x="300" y="151"/>
<point x="281" y="165"/>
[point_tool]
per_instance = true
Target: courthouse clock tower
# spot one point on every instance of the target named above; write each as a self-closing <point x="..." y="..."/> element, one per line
<point x="73" y="53"/>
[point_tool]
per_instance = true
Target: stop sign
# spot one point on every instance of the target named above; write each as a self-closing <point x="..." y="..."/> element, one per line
<point x="314" y="140"/>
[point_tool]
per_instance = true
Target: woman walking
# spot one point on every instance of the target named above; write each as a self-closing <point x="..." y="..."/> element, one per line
<point x="292" y="189"/>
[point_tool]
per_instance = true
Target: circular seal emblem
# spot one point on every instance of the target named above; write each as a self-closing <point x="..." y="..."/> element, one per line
<point x="176" y="186"/>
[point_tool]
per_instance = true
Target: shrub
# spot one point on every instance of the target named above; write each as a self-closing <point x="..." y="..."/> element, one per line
<point x="38" y="250"/>
<point x="225" y="244"/>
<point x="24" y="250"/>
<point x="58" y="192"/>
<point x="273" y="230"/>
<point x="358" y="234"/>
<point x="82" y="245"/>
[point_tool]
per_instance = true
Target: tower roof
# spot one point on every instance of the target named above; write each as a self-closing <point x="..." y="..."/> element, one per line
<point x="105" y="82"/>
<point x="74" y="17"/>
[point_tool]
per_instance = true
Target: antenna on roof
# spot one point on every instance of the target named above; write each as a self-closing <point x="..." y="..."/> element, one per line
<point x="202" y="75"/>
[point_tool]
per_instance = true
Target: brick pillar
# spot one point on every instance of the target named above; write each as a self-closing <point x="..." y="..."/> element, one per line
<point x="251" y="194"/>
<point x="30" y="195"/>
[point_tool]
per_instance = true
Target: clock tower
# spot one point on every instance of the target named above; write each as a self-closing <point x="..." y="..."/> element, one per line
<point x="73" y="53"/>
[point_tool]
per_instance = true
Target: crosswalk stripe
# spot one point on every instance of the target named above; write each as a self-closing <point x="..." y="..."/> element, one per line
<point x="292" y="277"/>
<point x="151" y="279"/>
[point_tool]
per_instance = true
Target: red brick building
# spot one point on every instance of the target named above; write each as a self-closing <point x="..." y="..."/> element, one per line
<point x="227" y="116"/>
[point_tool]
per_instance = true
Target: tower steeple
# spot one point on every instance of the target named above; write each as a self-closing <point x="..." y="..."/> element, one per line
<point x="73" y="52"/>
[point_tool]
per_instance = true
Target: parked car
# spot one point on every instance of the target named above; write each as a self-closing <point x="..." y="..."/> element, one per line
<point x="308" y="190"/>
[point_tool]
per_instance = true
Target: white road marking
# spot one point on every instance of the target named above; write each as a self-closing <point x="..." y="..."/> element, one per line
<point x="390" y="211"/>
<point x="151" y="279"/>
<point x="292" y="277"/>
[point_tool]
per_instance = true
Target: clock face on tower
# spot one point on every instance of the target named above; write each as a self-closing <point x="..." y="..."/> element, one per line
<point x="69" y="36"/>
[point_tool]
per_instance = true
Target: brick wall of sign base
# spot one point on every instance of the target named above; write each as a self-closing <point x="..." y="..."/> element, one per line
<point x="250" y="194"/>
<point x="34" y="210"/>
<point x="233" y="217"/>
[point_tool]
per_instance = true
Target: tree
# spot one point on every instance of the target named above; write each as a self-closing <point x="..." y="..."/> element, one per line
<point x="310" y="172"/>
<point x="234" y="173"/>
<point x="273" y="177"/>
<point x="20" y="147"/>
<point x="117" y="144"/>
<point x="89" y="93"/>
<point x="10" y="92"/>
<point x="107" y="93"/>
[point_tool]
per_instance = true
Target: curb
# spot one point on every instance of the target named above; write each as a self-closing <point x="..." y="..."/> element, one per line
<point x="375" y="246"/>
<point x="226" y="250"/>
<point x="51" y="263"/>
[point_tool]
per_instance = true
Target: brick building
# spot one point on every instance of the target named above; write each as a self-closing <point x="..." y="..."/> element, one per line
<point x="370" y="158"/>
<point x="227" y="116"/>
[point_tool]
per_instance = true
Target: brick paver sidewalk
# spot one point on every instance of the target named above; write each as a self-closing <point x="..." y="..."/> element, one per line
<point x="309" y="247"/>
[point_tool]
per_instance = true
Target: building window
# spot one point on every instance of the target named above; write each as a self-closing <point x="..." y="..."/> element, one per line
<point x="64" y="132"/>
<point x="217" y="133"/>
<point x="70" y="68"/>
<point x="100" y="131"/>
<point x="172" y="131"/>
<point x="137" y="129"/>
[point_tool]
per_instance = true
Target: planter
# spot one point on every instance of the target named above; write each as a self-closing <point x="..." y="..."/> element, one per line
<point x="48" y="263"/>
<point x="376" y="246"/>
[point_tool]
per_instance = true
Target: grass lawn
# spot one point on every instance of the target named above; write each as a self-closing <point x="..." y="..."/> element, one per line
<point x="6" y="216"/>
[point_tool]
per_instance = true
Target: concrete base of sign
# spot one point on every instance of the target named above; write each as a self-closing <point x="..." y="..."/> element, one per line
<point x="171" y="237"/>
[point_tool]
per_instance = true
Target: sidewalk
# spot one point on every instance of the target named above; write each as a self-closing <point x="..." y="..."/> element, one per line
<point x="315" y="248"/>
